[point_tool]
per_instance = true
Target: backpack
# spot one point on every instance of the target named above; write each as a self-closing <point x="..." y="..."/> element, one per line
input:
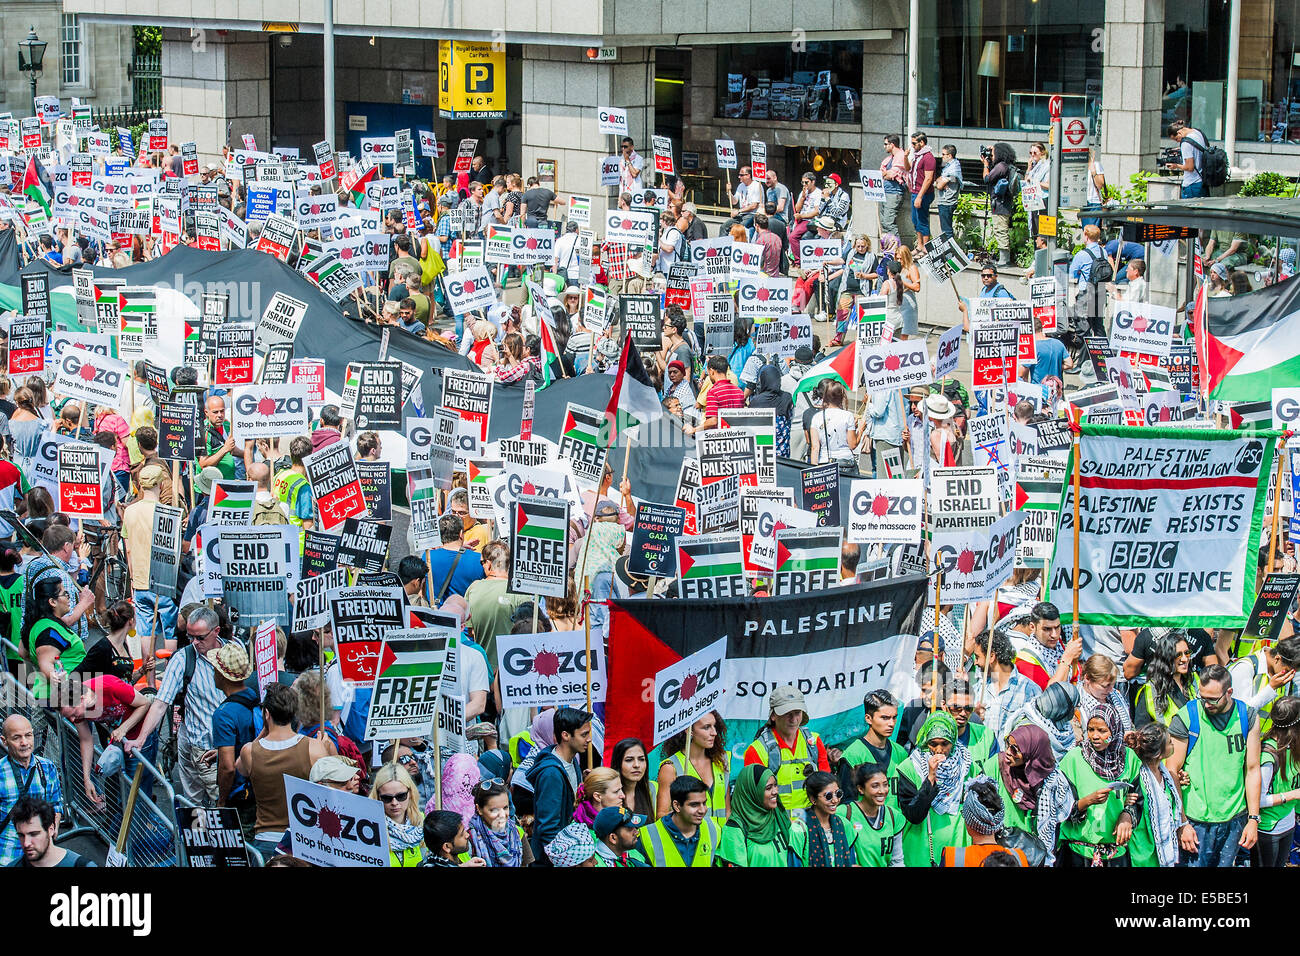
<point x="1194" y="724"/>
<point x="1213" y="164"/>
<point x="1100" y="272"/>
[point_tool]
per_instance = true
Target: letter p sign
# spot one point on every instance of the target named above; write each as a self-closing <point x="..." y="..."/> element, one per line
<point x="478" y="78"/>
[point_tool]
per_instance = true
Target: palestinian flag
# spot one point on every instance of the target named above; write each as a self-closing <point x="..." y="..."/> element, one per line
<point x="547" y="522"/>
<point x="413" y="657"/>
<point x="582" y="424"/>
<point x="355" y="182"/>
<point x="633" y="400"/>
<point x="36" y="185"/>
<point x="425" y="491"/>
<point x="837" y="367"/>
<point x="709" y="556"/>
<point x="1085" y="400"/>
<point x="808" y="549"/>
<point x="1252" y="415"/>
<point x="137" y="308"/>
<point x="1251" y="342"/>
<point x="769" y="643"/>
<point x="479" y="471"/>
<point x="230" y="499"/>
<point x="550" y="355"/>
<point x="1033" y="494"/>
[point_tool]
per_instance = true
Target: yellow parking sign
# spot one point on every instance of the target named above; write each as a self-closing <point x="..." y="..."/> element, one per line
<point x="471" y="81"/>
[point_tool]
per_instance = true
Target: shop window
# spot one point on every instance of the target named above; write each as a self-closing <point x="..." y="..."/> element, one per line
<point x="820" y="83"/>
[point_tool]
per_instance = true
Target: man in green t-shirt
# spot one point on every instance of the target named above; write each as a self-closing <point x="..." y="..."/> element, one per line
<point x="219" y="448"/>
<point x="491" y="604"/>
<point x="1216" y="762"/>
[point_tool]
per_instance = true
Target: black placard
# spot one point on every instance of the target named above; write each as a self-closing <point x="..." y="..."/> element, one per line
<point x="178" y="428"/>
<point x="1271" y="607"/>
<point x="320" y="553"/>
<point x="640" y="316"/>
<point x="364" y="544"/>
<point x="377" y="487"/>
<point x="379" y="395"/>
<point x="275" y="367"/>
<point x="212" y="836"/>
<point x="819" y="492"/>
<point x="654" y="540"/>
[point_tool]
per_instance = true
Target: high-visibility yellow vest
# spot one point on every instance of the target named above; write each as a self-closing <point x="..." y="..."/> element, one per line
<point x="287" y="484"/>
<point x="717" y="793"/>
<point x="660" y="850"/>
<point x="791" y="767"/>
<point x="522" y="737"/>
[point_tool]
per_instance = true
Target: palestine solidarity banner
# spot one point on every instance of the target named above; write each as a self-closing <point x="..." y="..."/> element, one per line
<point x="1169" y="526"/>
<point x="835" y="645"/>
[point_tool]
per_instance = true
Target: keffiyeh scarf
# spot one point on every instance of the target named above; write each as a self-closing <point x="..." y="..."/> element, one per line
<point x="496" y="849"/>
<point x="1164" y="818"/>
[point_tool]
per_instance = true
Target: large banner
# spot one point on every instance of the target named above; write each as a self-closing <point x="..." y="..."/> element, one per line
<point x="1169" y="523"/>
<point x="834" y="645"/>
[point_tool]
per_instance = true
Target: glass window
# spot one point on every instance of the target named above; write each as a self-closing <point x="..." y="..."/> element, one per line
<point x="821" y="83"/>
<point x="71" y="49"/>
<point x="1268" y="77"/>
<point x="996" y="65"/>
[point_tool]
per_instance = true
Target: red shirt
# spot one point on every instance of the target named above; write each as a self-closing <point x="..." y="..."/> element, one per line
<point x="922" y="164"/>
<point x="722" y="394"/>
<point x="114" y="696"/>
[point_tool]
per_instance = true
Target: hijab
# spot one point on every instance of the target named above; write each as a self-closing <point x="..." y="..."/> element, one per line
<point x="542" y="729"/>
<point x="1022" y="782"/>
<point x="951" y="773"/>
<point x="460" y="775"/>
<point x="1108" y="763"/>
<point x="757" y="823"/>
<point x="769" y="394"/>
<point x="1052" y="711"/>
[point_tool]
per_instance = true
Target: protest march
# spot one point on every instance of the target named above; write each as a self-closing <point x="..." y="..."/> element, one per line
<point x="352" y="519"/>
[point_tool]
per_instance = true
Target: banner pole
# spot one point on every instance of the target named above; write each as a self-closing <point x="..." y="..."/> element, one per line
<point x="125" y="828"/>
<point x="988" y="648"/>
<point x="1074" y="581"/>
<point x="934" y="640"/>
<point x="1272" y="534"/>
<point x="428" y="564"/>
<point x="320" y="648"/>
<point x="437" y="765"/>
<point x="586" y="621"/>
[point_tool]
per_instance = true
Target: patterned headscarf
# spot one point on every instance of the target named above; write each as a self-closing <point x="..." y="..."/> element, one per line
<point x="949" y="775"/>
<point x="460" y="775"/>
<point x="572" y="846"/>
<point x="1108" y="763"/>
<point x="979" y="818"/>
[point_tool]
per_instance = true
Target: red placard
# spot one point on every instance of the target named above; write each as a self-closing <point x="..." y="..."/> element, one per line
<point x="310" y="372"/>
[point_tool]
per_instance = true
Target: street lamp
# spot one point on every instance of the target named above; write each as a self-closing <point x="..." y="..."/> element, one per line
<point x="31" y="56"/>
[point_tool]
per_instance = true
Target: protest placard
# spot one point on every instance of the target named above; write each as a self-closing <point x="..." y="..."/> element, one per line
<point x="962" y="498"/>
<point x="653" y="551"/>
<point x="819" y="492"/>
<point x="582" y="444"/>
<point x="377" y="487"/>
<point x="329" y="827"/>
<point x="361" y="617"/>
<point x="723" y="452"/>
<point x="685" y="690"/>
<point x="711" y="565"/>
<point x="974" y="561"/>
<point x="311" y="606"/>
<point x="1042" y="299"/>
<point x="541" y="670"/>
<point x="178" y="425"/>
<point x="994" y="355"/>
<point x="893" y="365"/>
<point x="234" y="354"/>
<point x="469" y="395"/>
<point x="280" y="321"/>
<point x="335" y="484"/>
<point x="27" y="343"/>
<point x="269" y="411"/>
<point x="363" y="544"/>
<point x="264" y="656"/>
<point x="34" y="292"/>
<point x="639" y="315"/>
<point x="411" y="668"/>
<point x="212" y="837"/>
<point x="718" y="505"/>
<point x="81" y="494"/>
<point x="539" y="528"/>
<point x="256" y="567"/>
<point x="165" y="550"/>
<point x="948" y="354"/>
<point x="885" y="510"/>
<point x="92" y="378"/>
<point x="807" y="559"/>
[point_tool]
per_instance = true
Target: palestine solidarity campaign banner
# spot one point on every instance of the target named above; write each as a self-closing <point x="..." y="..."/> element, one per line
<point x="833" y="645"/>
<point x="1169" y="526"/>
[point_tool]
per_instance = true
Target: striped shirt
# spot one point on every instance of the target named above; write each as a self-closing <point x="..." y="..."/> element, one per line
<point x="722" y="395"/>
<point x="201" y="699"/>
<point x="613" y="259"/>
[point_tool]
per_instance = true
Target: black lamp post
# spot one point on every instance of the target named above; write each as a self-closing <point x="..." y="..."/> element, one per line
<point x="31" y="57"/>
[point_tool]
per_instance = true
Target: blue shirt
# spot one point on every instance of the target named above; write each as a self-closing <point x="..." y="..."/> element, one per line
<point x="234" y="725"/>
<point x="1051" y="360"/>
<point x="469" y="570"/>
<point x="1081" y="264"/>
<point x="1131" y="250"/>
<point x="45" y="784"/>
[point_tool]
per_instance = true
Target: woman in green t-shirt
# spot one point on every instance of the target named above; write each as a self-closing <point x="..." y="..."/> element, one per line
<point x="876" y="821"/>
<point x="53" y="647"/>
<point x="1279" y="765"/>
<point x="759" y="831"/>
<point x="1035" y="797"/>
<point x="830" y="838"/>
<point x="931" y="788"/>
<point x="1102" y="774"/>
<point x="1155" y="837"/>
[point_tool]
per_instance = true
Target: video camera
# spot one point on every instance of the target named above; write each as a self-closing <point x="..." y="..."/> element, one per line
<point x="1169" y="154"/>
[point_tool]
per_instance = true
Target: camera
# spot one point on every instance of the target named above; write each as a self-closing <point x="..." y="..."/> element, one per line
<point x="1169" y="154"/>
<point x="986" y="152"/>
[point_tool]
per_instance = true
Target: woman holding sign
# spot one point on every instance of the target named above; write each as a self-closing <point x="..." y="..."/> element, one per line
<point x="708" y="760"/>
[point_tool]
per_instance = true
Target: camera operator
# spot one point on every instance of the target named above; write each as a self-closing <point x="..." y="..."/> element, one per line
<point x="1002" y="178"/>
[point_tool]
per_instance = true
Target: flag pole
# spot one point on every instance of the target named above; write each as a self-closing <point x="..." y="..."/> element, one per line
<point x="1074" y="581"/>
<point x="934" y="639"/>
<point x="586" y="620"/>
<point x="1277" y="508"/>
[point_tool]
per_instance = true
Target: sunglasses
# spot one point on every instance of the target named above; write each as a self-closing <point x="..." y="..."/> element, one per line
<point x="486" y="785"/>
<point x="394" y="797"/>
<point x="960" y="708"/>
<point x="833" y="794"/>
<point x="988" y="275"/>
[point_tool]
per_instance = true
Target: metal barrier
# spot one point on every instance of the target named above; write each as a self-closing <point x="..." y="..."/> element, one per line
<point x="152" y="837"/>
